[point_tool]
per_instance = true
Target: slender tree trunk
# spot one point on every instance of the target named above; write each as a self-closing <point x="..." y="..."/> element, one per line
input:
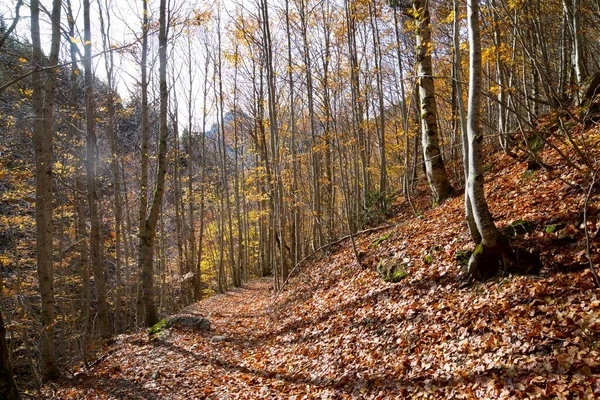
<point x="483" y="217"/>
<point x="294" y="228"/>
<point x="380" y="96"/>
<point x="490" y="235"/>
<point x="357" y="102"/>
<point x="434" y="163"/>
<point x="315" y="152"/>
<point x="403" y="105"/>
<point x="463" y="124"/>
<point x="225" y="175"/>
<point x="578" y="44"/>
<point x="500" y="78"/>
<point x="143" y="211"/>
<point x="277" y="188"/>
<point x="43" y="132"/>
<point x="179" y="209"/>
<point x="236" y="174"/>
<point x="191" y="261"/>
<point x="148" y="239"/>
<point x="198" y="285"/>
<point x="112" y="136"/>
<point x="79" y="194"/>
<point x="8" y="386"/>
<point x="96" y="240"/>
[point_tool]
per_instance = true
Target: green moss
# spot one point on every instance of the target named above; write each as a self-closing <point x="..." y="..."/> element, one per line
<point x="382" y="239"/>
<point x="157" y="328"/>
<point x="535" y="143"/>
<point x="519" y="227"/>
<point x="391" y="270"/>
<point x="398" y="275"/>
<point x="550" y="229"/>
<point x="478" y="250"/>
<point x="462" y="257"/>
<point x="428" y="259"/>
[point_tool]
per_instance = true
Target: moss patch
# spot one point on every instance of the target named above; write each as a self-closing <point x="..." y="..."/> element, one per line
<point x="157" y="328"/>
<point x="519" y="227"/>
<point x="398" y="275"/>
<point x="391" y="270"/>
<point x="382" y="239"/>
<point x="462" y="257"/>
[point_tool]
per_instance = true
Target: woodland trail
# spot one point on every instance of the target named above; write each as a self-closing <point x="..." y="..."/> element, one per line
<point x="339" y="331"/>
<point x="186" y="364"/>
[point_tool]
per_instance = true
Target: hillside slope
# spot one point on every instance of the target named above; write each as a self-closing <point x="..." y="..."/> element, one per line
<point x="339" y="331"/>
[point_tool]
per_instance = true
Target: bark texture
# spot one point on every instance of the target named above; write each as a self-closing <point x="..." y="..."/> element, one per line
<point x="434" y="163"/>
<point x="43" y="131"/>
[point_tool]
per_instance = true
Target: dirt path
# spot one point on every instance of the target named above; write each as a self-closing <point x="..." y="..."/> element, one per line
<point x="187" y="364"/>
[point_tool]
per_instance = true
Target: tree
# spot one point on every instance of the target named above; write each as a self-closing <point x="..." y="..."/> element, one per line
<point x="493" y="251"/>
<point x="144" y="158"/>
<point x="434" y="163"/>
<point x="8" y="386"/>
<point x="43" y="131"/>
<point x="112" y="135"/>
<point x="96" y="241"/>
<point x="149" y="236"/>
<point x="462" y="121"/>
<point x="491" y="237"/>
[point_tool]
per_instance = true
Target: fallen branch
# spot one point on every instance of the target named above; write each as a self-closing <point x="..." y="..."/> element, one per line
<point x="587" y="233"/>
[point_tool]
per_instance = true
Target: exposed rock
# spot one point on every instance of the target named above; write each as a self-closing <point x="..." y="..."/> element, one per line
<point x="199" y="323"/>
<point x="392" y="270"/>
<point x="216" y="339"/>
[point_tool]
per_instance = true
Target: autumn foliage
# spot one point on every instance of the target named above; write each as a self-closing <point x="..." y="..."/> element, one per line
<point x="338" y="330"/>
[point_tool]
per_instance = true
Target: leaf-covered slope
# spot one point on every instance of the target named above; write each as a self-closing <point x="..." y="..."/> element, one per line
<point x="339" y="331"/>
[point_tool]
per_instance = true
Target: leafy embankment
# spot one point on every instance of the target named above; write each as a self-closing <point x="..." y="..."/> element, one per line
<point x="339" y="331"/>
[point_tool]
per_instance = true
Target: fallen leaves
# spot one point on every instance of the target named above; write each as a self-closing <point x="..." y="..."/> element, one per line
<point x="344" y="333"/>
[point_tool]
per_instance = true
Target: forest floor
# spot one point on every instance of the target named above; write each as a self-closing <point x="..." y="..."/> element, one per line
<point x="337" y="330"/>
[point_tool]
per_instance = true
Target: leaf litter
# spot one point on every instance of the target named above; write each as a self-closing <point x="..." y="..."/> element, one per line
<point x="338" y="331"/>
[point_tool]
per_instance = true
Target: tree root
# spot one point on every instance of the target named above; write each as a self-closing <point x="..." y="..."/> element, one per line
<point x="487" y="262"/>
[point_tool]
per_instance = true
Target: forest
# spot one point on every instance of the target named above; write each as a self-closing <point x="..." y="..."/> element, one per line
<point x="299" y="199"/>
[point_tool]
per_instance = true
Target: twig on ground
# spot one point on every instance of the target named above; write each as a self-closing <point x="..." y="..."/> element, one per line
<point x="588" y="250"/>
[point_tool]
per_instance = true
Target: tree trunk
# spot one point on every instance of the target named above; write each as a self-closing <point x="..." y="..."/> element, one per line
<point x="463" y="123"/>
<point x="380" y="96"/>
<point x="201" y="228"/>
<point x="8" y="387"/>
<point x="191" y="261"/>
<point x="294" y="226"/>
<point x="500" y="79"/>
<point x="434" y="163"/>
<point x="148" y="239"/>
<point x="96" y="241"/>
<point x="361" y="173"/>
<point x="43" y="132"/>
<point x="143" y="212"/>
<point x="277" y="188"/>
<point x="490" y="235"/>
<point x="315" y="154"/>
<point x="487" y="257"/>
<point x="235" y="275"/>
